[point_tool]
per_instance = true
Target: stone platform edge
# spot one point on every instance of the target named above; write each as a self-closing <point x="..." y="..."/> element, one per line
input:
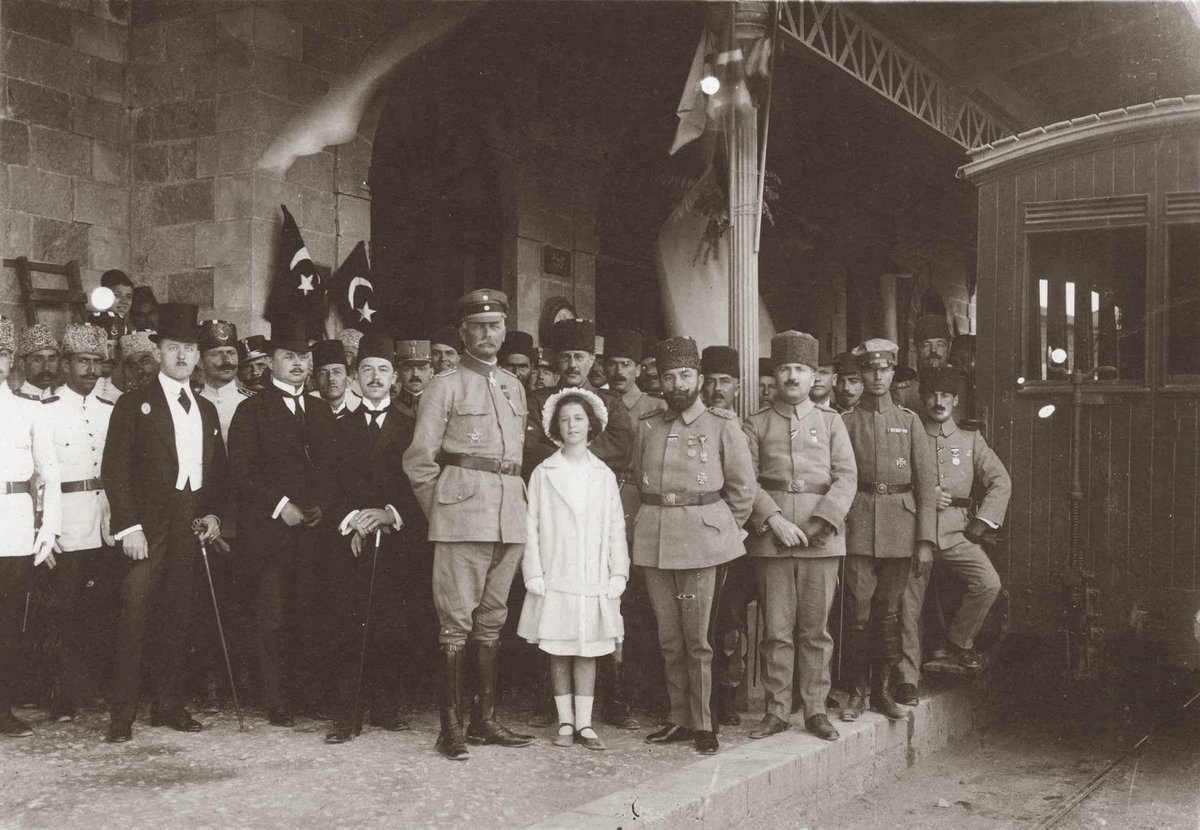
<point x="732" y="786"/>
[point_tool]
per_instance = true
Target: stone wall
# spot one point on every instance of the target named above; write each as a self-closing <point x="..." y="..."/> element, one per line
<point x="64" y="137"/>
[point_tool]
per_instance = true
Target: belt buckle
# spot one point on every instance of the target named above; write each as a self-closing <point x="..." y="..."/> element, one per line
<point x="881" y="488"/>
<point x="668" y="499"/>
<point x="795" y="486"/>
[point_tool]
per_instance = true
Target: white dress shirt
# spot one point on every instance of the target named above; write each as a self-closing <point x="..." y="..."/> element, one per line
<point x="381" y="407"/>
<point x="189" y="433"/>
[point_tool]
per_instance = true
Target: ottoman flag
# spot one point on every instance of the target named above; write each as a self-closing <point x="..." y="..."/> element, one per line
<point x="298" y="291"/>
<point x="353" y="291"/>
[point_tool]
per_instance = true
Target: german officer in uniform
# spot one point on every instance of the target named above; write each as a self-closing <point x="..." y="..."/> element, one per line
<point x="807" y="479"/>
<point x="697" y="488"/>
<point x="415" y="371"/>
<point x="622" y="367"/>
<point x="890" y="529"/>
<point x="465" y="467"/>
<point x="545" y="369"/>
<point x="82" y="577"/>
<point x="26" y="449"/>
<point x="963" y="460"/>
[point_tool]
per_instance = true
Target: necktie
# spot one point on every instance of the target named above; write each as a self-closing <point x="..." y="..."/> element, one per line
<point x="298" y="408"/>
<point x="373" y="424"/>
<point x="185" y="401"/>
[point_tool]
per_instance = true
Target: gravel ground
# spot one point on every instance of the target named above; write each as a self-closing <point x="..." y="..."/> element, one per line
<point x="66" y="776"/>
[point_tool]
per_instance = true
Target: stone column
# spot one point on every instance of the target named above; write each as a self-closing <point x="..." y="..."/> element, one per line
<point x="743" y="259"/>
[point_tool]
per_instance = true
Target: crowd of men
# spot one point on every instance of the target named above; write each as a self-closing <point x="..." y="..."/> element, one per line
<point x="351" y="507"/>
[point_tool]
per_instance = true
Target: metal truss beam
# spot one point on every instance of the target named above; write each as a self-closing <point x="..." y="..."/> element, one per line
<point x="836" y="34"/>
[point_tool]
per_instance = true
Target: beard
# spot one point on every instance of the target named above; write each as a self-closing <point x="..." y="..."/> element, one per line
<point x="680" y="400"/>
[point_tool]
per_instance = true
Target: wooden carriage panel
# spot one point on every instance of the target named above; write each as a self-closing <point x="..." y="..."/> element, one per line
<point x="1183" y="510"/>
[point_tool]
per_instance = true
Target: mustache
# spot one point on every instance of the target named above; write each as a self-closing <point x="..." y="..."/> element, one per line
<point x="223" y="366"/>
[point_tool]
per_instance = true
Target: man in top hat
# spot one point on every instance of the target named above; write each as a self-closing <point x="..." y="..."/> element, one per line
<point x="574" y="341"/>
<point x="721" y="390"/>
<point x="766" y="382"/>
<point x="824" y="378"/>
<point x="83" y="577"/>
<point x="414" y="371"/>
<point x="26" y="450"/>
<point x="697" y="488"/>
<point x="121" y="286"/>
<point x="465" y="467"/>
<point x="374" y="494"/>
<point x="890" y="529"/>
<point x="164" y="474"/>
<point x="281" y="457"/>
<point x="333" y="378"/>
<point x="931" y="342"/>
<point x="139" y="360"/>
<point x="254" y="364"/>
<point x="848" y="389"/>
<point x="545" y="370"/>
<point x="965" y="464"/>
<point x="516" y="355"/>
<point x="38" y="351"/>
<point x="807" y="479"/>
<point x="445" y="348"/>
<point x="622" y="359"/>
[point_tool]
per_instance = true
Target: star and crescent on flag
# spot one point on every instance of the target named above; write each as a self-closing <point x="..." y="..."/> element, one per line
<point x="353" y="290"/>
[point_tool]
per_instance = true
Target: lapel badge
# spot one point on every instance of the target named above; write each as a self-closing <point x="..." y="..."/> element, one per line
<point x="702" y="478"/>
<point x="145" y="409"/>
<point x="902" y="462"/>
<point x="812" y="431"/>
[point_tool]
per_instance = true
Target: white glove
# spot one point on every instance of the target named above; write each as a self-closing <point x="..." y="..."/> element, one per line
<point x="536" y="586"/>
<point x="43" y="549"/>
<point x="616" y="586"/>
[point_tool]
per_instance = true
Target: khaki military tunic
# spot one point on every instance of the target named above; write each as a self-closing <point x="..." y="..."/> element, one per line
<point x="964" y="458"/>
<point x="638" y="404"/>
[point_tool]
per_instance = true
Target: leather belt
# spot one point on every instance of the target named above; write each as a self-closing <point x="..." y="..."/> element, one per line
<point x="9" y="487"/>
<point x="478" y="462"/>
<point x="680" y="499"/>
<point x="967" y="503"/>
<point x="881" y="489"/>
<point x="794" y="485"/>
<point x="624" y="478"/>
<point x="85" y="486"/>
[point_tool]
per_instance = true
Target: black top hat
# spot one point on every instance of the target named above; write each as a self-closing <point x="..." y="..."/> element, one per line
<point x="325" y="352"/>
<point x="177" y="321"/>
<point x="374" y="344"/>
<point x="290" y="334"/>
<point x="720" y="360"/>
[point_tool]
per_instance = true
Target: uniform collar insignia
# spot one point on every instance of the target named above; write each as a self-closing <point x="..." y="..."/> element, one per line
<point x="870" y="403"/>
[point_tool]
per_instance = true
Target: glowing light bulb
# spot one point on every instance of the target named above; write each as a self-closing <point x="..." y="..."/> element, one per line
<point x="102" y="298"/>
<point x="1020" y="381"/>
<point x="709" y="85"/>
<point x="1046" y="411"/>
<point x="1058" y="355"/>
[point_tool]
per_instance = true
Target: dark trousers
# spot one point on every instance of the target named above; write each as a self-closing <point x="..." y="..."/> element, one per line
<point x="16" y="573"/>
<point x="156" y="600"/>
<point x="383" y="624"/>
<point x="231" y="583"/>
<point x="740" y="589"/>
<point x="874" y="592"/>
<point x="85" y="586"/>
<point x="292" y="637"/>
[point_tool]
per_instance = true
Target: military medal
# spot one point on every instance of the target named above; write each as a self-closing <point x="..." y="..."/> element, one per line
<point x="691" y="453"/>
<point x="474" y="435"/>
<point x="646" y="479"/>
<point x="813" y="432"/>
<point x="902" y="462"/>
<point x="954" y="458"/>
<point x="703" y="450"/>
<point x="702" y="478"/>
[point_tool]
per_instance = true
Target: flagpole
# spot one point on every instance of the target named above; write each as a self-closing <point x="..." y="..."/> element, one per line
<point x="766" y="130"/>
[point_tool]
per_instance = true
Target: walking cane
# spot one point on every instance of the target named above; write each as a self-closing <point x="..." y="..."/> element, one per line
<point x="212" y="591"/>
<point x="25" y="618"/>
<point x="362" y="655"/>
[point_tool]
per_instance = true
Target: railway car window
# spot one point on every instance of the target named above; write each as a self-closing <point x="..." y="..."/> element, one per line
<point x="1087" y="305"/>
<point x="1183" y="303"/>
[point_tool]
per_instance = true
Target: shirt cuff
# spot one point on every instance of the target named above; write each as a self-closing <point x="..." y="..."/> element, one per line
<point x="119" y="536"/>
<point x="398" y="523"/>
<point x="279" y="507"/>
<point x="344" y="527"/>
<point x="988" y="522"/>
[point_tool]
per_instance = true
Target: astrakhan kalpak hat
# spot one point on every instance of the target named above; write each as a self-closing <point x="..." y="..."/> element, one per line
<point x="36" y="338"/>
<point x="942" y="379"/>
<point x="622" y="343"/>
<point x="328" y="353"/>
<point x="137" y="342"/>
<point x="794" y="347"/>
<point x="931" y="327"/>
<point x="720" y="360"/>
<point x="876" y="352"/>
<point x="8" y="334"/>
<point x="84" y="338"/>
<point x="573" y="336"/>
<point x="677" y="353"/>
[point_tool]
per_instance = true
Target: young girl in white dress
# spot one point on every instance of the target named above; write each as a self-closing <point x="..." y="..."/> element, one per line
<point x="576" y="561"/>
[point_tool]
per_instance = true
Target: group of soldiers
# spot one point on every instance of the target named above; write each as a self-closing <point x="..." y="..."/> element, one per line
<point x="360" y="501"/>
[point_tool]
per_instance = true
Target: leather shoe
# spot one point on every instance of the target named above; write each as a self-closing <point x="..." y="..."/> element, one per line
<point x="820" y="726"/>
<point x="670" y="734"/>
<point x="883" y="703"/>
<point x="179" y="720"/>
<point x="593" y="742"/>
<point x="771" y="724"/>
<point x="967" y="658"/>
<point x="391" y="722"/>
<point x="13" y="727"/>
<point x="119" y="731"/>
<point x="706" y="742"/>
<point x="341" y="733"/>
<point x="280" y="716"/>
<point x="906" y="694"/>
<point x="854" y="707"/>
<point x="620" y="718"/>
<point x="490" y="732"/>
<point x="63" y="716"/>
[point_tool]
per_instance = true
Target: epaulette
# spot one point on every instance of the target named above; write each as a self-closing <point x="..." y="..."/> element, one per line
<point x="27" y="396"/>
<point x="723" y="413"/>
<point x="824" y="407"/>
<point x="104" y="400"/>
<point x="969" y="426"/>
<point x="446" y="373"/>
<point x="909" y="411"/>
<point x="49" y="399"/>
<point x="761" y="409"/>
<point x="509" y="373"/>
<point x="246" y="392"/>
<point x="650" y="415"/>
